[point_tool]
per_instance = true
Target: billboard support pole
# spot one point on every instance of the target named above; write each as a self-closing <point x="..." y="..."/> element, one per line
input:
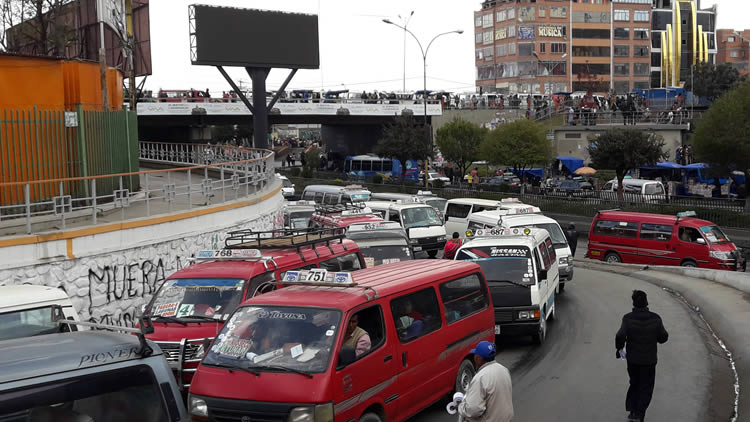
<point x="281" y="89"/>
<point x="236" y="89"/>
<point x="260" y="115"/>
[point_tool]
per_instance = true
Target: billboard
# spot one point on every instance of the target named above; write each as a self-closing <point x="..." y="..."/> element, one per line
<point x="525" y="32"/>
<point x="225" y="36"/>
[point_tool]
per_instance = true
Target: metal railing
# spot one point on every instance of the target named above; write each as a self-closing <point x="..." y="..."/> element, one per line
<point x="618" y="117"/>
<point x="204" y="178"/>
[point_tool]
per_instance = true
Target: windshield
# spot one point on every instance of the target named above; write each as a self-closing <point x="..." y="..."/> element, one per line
<point x="275" y="337"/>
<point x="298" y="220"/>
<point x="386" y="254"/>
<point x="502" y="263"/>
<point x="558" y="238"/>
<point x="27" y="323"/>
<point x="438" y="204"/>
<point x="714" y="235"/>
<point x="197" y="297"/>
<point x="654" y="189"/>
<point x="420" y="217"/>
<point x="286" y="183"/>
<point x="360" y="196"/>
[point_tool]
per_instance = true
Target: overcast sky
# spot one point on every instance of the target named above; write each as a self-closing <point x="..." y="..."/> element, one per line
<point x="357" y="50"/>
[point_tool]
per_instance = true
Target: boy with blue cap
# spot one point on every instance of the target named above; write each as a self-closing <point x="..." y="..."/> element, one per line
<point x="490" y="393"/>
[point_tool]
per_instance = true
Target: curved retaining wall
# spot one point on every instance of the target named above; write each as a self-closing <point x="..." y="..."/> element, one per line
<point x="109" y="271"/>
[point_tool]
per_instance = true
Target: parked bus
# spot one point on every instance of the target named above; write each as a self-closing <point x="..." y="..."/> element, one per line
<point x="372" y="165"/>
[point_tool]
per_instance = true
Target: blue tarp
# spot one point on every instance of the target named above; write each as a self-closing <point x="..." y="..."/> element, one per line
<point x="666" y="165"/>
<point x="571" y="163"/>
<point x="538" y="172"/>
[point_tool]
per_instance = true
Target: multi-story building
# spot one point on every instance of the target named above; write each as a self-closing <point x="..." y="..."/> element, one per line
<point x="682" y="35"/>
<point x="733" y="47"/>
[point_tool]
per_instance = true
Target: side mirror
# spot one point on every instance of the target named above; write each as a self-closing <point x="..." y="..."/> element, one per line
<point x="347" y="356"/>
<point x="542" y="275"/>
<point x="700" y="241"/>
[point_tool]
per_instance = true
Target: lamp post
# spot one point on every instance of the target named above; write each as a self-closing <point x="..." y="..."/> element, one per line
<point x="406" y="24"/>
<point x="424" y="78"/>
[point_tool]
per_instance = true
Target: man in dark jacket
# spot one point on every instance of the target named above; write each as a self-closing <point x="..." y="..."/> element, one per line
<point x="571" y="235"/>
<point x="641" y="330"/>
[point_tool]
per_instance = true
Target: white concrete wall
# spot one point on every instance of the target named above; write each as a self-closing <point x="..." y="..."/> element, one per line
<point x="114" y="273"/>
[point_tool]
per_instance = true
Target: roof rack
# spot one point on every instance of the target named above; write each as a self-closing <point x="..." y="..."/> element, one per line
<point x="274" y="239"/>
<point x="146" y="327"/>
<point x="612" y="210"/>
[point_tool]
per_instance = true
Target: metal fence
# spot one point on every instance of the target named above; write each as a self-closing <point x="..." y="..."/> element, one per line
<point x="37" y="145"/>
<point x="724" y="212"/>
<point x="159" y="192"/>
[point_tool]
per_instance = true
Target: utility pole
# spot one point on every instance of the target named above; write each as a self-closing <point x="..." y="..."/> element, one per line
<point x="103" y="67"/>
<point x="130" y="48"/>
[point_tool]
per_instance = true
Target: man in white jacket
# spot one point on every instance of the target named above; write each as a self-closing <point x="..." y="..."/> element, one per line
<point x="490" y="393"/>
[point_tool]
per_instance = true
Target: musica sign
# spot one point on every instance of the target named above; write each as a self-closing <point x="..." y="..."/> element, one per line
<point x="551" y="30"/>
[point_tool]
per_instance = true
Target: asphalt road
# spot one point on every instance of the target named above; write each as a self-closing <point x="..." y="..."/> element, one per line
<point x="574" y="376"/>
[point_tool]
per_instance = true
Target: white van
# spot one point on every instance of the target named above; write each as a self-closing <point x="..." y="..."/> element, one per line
<point x="28" y="310"/>
<point x="423" y="196"/>
<point x="421" y="222"/>
<point x="457" y="211"/>
<point x="637" y="190"/>
<point x="334" y="195"/>
<point x="287" y="187"/>
<point x="520" y="266"/>
<point x="559" y="242"/>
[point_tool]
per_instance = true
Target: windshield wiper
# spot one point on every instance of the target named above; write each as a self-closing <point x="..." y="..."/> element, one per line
<point x="202" y="318"/>
<point x="168" y="319"/>
<point x="284" y="369"/>
<point x="528" y="286"/>
<point x="232" y="368"/>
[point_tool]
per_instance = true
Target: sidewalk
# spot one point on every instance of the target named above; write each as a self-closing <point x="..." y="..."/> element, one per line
<point x="725" y="309"/>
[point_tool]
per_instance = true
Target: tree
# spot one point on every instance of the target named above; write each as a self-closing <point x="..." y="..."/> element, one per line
<point x="459" y="142"/>
<point x="403" y="140"/>
<point x="710" y="81"/>
<point x="624" y="150"/>
<point x="520" y="144"/>
<point x="36" y="26"/>
<point x="722" y="138"/>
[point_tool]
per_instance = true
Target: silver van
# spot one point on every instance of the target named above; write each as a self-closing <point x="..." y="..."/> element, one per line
<point x="636" y="190"/>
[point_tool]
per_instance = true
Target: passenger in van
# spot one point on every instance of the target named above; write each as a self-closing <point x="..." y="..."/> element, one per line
<point x="410" y="323"/>
<point x="356" y="337"/>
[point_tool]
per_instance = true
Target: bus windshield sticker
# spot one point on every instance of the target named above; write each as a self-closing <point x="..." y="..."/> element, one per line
<point x="510" y="252"/>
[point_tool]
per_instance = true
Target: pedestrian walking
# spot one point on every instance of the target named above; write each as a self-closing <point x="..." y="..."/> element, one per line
<point x="451" y="246"/>
<point x="490" y="393"/>
<point x="571" y="235"/>
<point x="636" y="342"/>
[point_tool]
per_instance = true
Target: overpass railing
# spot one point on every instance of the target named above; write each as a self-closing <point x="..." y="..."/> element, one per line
<point x="199" y="176"/>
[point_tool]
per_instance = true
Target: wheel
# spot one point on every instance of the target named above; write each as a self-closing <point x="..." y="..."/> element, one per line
<point x="370" y="417"/>
<point x="465" y="373"/>
<point x="690" y="264"/>
<point x="612" y="258"/>
<point x="432" y="254"/>
<point x="541" y="335"/>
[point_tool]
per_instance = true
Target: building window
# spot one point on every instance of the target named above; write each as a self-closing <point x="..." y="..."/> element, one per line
<point x="730" y="39"/>
<point x="656" y="59"/>
<point x="640" y="51"/>
<point x="558" y="12"/>
<point x="640" y="85"/>
<point x="594" y="34"/>
<point x="502" y="15"/>
<point x="511" y="48"/>
<point x="527" y="14"/>
<point x="640" y="16"/>
<point x="622" y="33"/>
<point x="488" y="37"/>
<point x="621" y="87"/>
<point x="541" y="47"/>
<point x="734" y="53"/>
<point x="640" y="69"/>
<point x="640" y="34"/>
<point x="511" y="13"/>
<point x="511" y="31"/>
<point x="487" y="20"/>
<point x="558" y="47"/>
<point x="478" y="21"/>
<point x="656" y="41"/>
<point x="622" y="15"/>
<point x="502" y="50"/>
<point x="622" y="69"/>
<point x="581" y="51"/>
<point x="586" y="69"/>
<point x="590" y="17"/>
<point x="552" y="68"/>
<point x="525" y="49"/>
<point x="488" y="52"/>
<point x="478" y="37"/>
<point x="480" y="54"/>
<point x="622" y="50"/>
<point x="542" y="12"/>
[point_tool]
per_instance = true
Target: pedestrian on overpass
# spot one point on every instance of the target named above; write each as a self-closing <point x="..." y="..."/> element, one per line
<point x="636" y="341"/>
<point x="490" y="394"/>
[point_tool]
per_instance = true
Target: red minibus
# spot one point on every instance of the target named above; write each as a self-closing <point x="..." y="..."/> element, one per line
<point x="379" y="344"/>
<point x="656" y="239"/>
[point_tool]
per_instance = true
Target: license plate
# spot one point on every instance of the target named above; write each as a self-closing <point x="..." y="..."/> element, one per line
<point x="417" y="248"/>
<point x="497" y="330"/>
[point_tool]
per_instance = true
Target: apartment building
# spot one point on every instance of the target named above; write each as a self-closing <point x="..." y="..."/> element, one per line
<point x="734" y="47"/>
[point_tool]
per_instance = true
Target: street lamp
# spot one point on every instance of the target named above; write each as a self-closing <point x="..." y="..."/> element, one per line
<point x="424" y="75"/>
<point x="406" y="24"/>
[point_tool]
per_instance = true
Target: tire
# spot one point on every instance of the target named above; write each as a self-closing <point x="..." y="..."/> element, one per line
<point x="541" y="335"/>
<point x="465" y="373"/>
<point x="688" y="263"/>
<point x="370" y="417"/>
<point x="612" y="258"/>
<point x="432" y="254"/>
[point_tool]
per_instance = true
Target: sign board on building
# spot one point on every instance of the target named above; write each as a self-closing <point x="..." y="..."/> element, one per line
<point x="71" y="119"/>
<point x="501" y="34"/>
<point x="551" y="30"/>
<point x="525" y="32"/>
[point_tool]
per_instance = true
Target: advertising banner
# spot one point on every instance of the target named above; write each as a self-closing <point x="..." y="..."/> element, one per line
<point x="525" y="33"/>
<point x="551" y="30"/>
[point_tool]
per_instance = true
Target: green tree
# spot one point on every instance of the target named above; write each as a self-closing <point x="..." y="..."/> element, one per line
<point x="404" y="139"/>
<point x="722" y="138"/>
<point x="521" y="144"/>
<point x="711" y="80"/>
<point x="624" y="150"/>
<point x="459" y="142"/>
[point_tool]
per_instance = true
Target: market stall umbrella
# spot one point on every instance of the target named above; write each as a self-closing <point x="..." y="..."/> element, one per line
<point x="585" y="171"/>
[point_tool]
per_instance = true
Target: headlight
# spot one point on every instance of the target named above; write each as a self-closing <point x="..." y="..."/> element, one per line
<point x="302" y="414"/>
<point x="198" y="407"/>
<point x="725" y="256"/>
<point x="441" y="238"/>
<point x="563" y="260"/>
<point x="414" y="241"/>
<point x="523" y="315"/>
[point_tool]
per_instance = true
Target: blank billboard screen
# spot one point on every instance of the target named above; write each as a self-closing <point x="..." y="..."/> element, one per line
<point x="225" y="36"/>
